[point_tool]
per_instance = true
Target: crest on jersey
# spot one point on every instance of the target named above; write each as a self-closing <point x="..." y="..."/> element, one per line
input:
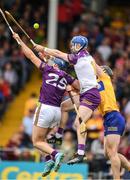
<point x="101" y="86"/>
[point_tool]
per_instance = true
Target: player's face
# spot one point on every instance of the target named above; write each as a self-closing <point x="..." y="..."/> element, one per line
<point x="75" y="47"/>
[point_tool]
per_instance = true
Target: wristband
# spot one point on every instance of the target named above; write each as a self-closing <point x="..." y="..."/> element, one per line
<point x="45" y="49"/>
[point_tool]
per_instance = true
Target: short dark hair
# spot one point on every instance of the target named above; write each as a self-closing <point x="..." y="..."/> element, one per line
<point x="107" y="70"/>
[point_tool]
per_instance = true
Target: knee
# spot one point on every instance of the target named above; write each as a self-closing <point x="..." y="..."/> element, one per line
<point x="111" y="152"/>
<point x="76" y="124"/>
<point x="105" y="154"/>
<point x="63" y="107"/>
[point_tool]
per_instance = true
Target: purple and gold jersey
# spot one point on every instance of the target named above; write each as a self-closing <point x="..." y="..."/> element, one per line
<point x="54" y="84"/>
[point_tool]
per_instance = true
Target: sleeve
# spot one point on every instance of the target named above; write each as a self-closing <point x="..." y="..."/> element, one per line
<point x="72" y="58"/>
<point x="42" y="66"/>
<point x="69" y="79"/>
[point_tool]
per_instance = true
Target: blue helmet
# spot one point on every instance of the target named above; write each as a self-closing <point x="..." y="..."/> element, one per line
<point x="61" y="64"/>
<point x="82" y="40"/>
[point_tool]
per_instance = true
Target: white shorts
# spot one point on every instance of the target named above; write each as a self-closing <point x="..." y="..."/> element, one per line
<point x="47" y="116"/>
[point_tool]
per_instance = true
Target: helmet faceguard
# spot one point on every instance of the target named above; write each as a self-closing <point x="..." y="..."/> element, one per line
<point x="75" y="47"/>
<point x="78" y="43"/>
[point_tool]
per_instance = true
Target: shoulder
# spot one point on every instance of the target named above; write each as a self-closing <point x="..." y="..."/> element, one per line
<point x="104" y="77"/>
<point x="45" y="67"/>
<point x="73" y="58"/>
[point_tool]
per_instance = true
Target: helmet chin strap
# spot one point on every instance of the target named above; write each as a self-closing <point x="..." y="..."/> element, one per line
<point x="78" y="49"/>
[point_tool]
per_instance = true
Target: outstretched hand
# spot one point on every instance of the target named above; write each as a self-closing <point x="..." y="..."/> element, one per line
<point x="38" y="48"/>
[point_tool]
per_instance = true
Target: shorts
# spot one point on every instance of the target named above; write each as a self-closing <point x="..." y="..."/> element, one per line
<point x="114" y="123"/>
<point x="90" y="99"/>
<point x="47" y="116"/>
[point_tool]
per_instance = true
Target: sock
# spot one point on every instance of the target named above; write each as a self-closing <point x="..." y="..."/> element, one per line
<point x="54" y="153"/>
<point x="47" y="158"/>
<point x="81" y="149"/>
<point x="59" y="132"/>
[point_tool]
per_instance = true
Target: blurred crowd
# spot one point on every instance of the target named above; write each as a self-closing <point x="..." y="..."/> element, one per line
<point x="109" y="43"/>
<point x="15" y="69"/>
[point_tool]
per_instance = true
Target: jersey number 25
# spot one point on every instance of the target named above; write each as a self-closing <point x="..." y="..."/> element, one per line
<point x="54" y="81"/>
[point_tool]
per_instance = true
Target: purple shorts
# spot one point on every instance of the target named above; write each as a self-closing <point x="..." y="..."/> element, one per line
<point x="90" y="99"/>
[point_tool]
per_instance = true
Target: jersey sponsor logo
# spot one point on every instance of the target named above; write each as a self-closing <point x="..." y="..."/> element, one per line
<point x="112" y="128"/>
<point x="101" y="86"/>
<point x="56" y="81"/>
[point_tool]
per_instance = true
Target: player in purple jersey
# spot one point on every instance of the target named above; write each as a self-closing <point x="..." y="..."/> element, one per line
<point x="84" y="66"/>
<point x="48" y="113"/>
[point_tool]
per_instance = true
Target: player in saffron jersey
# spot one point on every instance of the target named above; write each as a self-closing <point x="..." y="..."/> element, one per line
<point x="48" y="113"/>
<point x="114" y="122"/>
<point x="84" y="66"/>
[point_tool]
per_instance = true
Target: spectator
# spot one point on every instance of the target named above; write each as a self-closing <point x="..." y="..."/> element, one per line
<point x="104" y="49"/>
<point x="69" y="144"/>
<point x="5" y="89"/>
<point x="99" y="161"/>
<point x="30" y="104"/>
<point x="26" y="140"/>
<point x="17" y="63"/>
<point x="27" y="123"/>
<point x="11" y="77"/>
<point x="5" y="96"/>
<point x="13" y="146"/>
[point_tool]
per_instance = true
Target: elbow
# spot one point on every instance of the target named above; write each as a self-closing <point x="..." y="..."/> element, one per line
<point x="29" y="54"/>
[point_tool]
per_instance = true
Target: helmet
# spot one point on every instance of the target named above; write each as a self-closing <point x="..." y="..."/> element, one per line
<point x="107" y="70"/>
<point x="82" y="40"/>
<point x="61" y="64"/>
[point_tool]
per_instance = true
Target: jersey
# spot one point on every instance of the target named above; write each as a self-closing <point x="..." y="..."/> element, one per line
<point x="54" y="84"/>
<point x="84" y="68"/>
<point x="108" y="99"/>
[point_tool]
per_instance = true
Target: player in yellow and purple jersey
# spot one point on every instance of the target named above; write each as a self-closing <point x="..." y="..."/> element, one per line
<point x="48" y="113"/>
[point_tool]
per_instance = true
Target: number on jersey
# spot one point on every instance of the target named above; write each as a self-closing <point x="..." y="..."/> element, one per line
<point x="54" y="81"/>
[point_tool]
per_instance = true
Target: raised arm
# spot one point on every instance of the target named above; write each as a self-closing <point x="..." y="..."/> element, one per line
<point x="27" y="51"/>
<point x="99" y="70"/>
<point x="51" y="52"/>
